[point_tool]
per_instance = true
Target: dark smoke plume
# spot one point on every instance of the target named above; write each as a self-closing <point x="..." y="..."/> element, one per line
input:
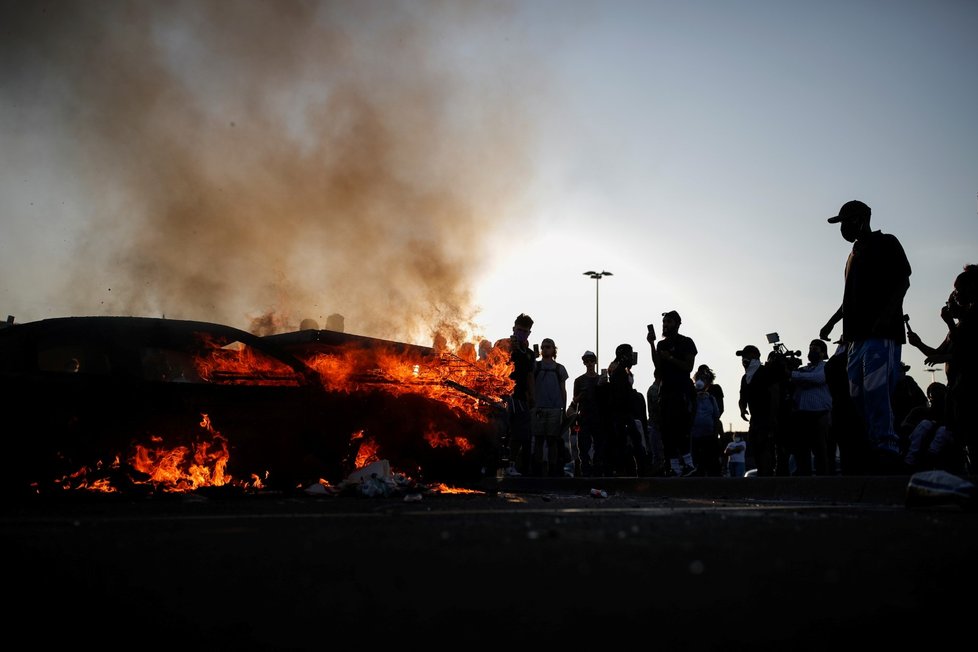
<point x="253" y="161"/>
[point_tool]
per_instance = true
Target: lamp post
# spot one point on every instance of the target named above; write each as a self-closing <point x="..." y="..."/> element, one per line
<point x="597" y="278"/>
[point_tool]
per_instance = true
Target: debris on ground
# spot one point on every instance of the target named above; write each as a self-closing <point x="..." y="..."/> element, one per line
<point x="377" y="480"/>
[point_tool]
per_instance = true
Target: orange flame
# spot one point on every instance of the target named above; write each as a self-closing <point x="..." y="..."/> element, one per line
<point x="181" y="468"/>
<point x="443" y="488"/>
<point x="437" y="439"/>
<point x="461" y="383"/>
<point x="367" y="453"/>
<point x="237" y="363"/>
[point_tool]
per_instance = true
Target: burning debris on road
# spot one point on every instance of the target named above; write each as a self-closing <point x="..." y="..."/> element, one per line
<point x="117" y="403"/>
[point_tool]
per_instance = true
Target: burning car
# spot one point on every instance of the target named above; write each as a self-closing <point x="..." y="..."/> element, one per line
<point x="115" y="402"/>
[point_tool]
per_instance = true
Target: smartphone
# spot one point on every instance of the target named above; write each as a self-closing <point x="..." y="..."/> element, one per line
<point x="651" y="328"/>
<point x="634" y="358"/>
<point x="536" y="349"/>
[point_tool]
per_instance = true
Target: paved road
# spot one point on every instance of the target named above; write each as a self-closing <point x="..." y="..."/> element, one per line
<point x="679" y="566"/>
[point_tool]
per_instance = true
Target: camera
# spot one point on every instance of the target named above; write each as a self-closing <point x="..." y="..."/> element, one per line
<point x="628" y="359"/>
<point x="783" y="355"/>
<point x="626" y="356"/>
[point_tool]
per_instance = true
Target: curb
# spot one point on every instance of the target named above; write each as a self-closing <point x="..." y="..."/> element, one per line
<point x="879" y="490"/>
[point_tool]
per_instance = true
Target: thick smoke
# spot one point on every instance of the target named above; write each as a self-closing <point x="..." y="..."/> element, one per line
<point x="273" y="161"/>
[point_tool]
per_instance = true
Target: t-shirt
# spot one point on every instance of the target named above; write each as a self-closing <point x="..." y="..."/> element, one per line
<point x="876" y="271"/>
<point x="584" y="387"/>
<point x="675" y="379"/>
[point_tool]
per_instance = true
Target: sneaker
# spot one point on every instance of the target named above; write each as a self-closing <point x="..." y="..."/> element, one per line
<point x="690" y="471"/>
<point x="512" y="472"/>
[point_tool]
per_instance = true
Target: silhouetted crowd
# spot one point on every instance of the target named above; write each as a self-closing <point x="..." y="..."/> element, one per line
<point x="853" y="410"/>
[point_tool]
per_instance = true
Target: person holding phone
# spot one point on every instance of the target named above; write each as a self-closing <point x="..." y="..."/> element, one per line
<point x="624" y="419"/>
<point x="674" y="357"/>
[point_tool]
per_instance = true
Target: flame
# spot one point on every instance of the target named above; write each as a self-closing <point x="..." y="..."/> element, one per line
<point x="79" y="479"/>
<point x="239" y="363"/>
<point x="443" y="488"/>
<point x="437" y="439"/>
<point x="185" y="469"/>
<point x="178" y="469"/>
<point x="367" y="452"/>
<point x="462" y="383"/>
<point x="467" y="385"/>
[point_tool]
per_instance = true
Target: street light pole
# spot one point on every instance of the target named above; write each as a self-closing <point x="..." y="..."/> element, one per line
<point x="597" y="278"/>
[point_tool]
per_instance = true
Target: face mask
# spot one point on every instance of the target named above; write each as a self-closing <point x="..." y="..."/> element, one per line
<point x="814" y="356"/>
<point x="745" y="362"/>
<point x="850" y="230"/>
<point x="521" y="336"/>
<point x="699" y="385"/>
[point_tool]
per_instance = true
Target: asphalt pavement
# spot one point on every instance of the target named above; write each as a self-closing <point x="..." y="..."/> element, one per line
<point x="685" y="563"/>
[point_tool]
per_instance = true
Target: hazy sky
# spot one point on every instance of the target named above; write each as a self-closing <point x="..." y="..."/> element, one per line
<point x="422" y="166"/>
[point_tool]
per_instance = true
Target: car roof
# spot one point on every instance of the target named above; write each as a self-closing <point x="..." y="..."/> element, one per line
<point x="125" y="332"/>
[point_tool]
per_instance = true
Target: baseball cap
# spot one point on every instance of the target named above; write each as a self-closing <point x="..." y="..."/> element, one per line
<point x="750" y="349"/>
<point x="589" y="355"/>
<point x="851" y="210"/>
<point x="672" y="314"/>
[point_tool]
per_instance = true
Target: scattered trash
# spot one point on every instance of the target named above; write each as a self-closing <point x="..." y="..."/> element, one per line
<point x="318" y="489"/>
<point x="599" y="493"/>
<point x="375" y="486"/>
<point x="936" y="488"/>
<point x="377" y="480"/>
<point x="379" y="469"/>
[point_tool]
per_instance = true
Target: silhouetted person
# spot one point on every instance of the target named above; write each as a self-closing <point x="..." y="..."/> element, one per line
<point x="674" y="357"/>
<point x="848" y="429"/>
<point x="812" y="414"/>
<point x="962" y="392"/>
<point x="653" y="442"/>
<point x="735" y="453"/>
<point x="907" y="395"/>
<point x="922" y="426"/>
<point x="760" y="404"/>
<point x="521" y="400"/>
<point x="703" y="433"/>
<point x="877" y="277"/>
<point x="546" y="423"/>
<point x="708" y="376"/>
<point x="624" y="445"/>
<point x="940" y="354"/>
<point x="585" y="404"/>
